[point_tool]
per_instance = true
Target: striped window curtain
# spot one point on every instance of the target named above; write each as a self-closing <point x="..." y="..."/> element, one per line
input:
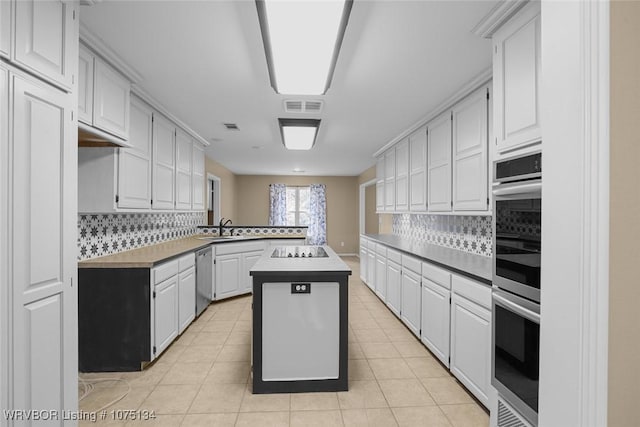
<point x="317" y="214"/>
<point x="277" y="204"/>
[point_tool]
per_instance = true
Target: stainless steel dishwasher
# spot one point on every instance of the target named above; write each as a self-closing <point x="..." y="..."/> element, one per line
<point x="204" y="278"/>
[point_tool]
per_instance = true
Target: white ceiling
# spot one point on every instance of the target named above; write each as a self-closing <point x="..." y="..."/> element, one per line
<point x="204" y="61"/>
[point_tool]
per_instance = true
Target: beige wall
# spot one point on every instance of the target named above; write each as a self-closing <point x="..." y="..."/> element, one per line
<point x="367" y="175"/>
<point x="624" y="285"/>
<point x="228" y="201"/>
<point x="252" y="204"/>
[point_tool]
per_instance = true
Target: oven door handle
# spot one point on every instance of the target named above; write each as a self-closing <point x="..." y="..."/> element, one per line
<point x="518" y="309"/>
<point x="533" y="187"/>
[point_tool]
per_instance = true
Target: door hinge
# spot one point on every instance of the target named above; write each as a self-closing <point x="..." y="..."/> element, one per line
<point x="487" y="94"/>
<point x="73" y="78"/>
<point x="72" y="282"/>
<point x="71" y="115"/>
<point x="154" y="349"/>
<point x="452" y="116"/>
<point x="74" y="14"/>
<point x="452" y="203"/>
<point x="487" y="201"/>
<point x="117" y="198"/>
<point x="214" y="262"/>
<point x="154" y="294"/>
<point x="152" y="201"/>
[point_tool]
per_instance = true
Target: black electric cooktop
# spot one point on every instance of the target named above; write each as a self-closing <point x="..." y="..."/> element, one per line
<point x="299" y="252"/>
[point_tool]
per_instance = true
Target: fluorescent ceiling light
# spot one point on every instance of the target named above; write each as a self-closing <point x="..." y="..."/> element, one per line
<point x="298" y="134"/>
<point x="302" y="39"/>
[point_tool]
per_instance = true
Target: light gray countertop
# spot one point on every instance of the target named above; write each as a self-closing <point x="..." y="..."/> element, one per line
<point x="474" y="266"/>
<point x="332" y="263"/>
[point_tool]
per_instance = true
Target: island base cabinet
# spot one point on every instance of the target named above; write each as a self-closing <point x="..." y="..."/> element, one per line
<point x="435" y="324"/>
<point x="471" y="346"/>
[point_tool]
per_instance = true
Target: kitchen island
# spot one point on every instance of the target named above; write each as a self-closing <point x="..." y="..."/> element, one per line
<point x="300" y="320"/>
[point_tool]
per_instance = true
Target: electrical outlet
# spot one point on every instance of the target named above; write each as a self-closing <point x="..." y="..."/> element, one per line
<point x="342" y="244"/>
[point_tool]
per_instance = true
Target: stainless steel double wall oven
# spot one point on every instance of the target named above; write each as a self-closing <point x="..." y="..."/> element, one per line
<point x="517" y="231"/>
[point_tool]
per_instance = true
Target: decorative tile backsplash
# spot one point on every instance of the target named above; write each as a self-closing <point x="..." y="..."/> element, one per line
<point x="466" y="233"/>
<point x="256" y="231"/>
<point x="106" y="234"/>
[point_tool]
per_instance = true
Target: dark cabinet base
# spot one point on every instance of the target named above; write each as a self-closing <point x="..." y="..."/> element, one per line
<point x="114" y="319"/>
<point x="339" y="384"/>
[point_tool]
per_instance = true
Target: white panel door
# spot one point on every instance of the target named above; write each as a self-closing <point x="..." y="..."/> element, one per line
<point x="186" y="298"/>
<point x="381" y="275"/>
<point x="111" y="100"/>
<point x="435" y="321"/>
<point x="371" y="270"/>
<point x="5" y="28"/>
<point x="418" y="170"/>
<point x="471" y="346"/>
<point x="43" y="234"/>
<point x="5" y="305"/>
<point x="198" y="180"/>
<point x="470" y="145"/>
<point x="46" y="39"/>
<point x="134" y="164"/>
<point x="411" y="301"/>
<point x="228" y="275"/>
<point x="439" y="164"/>
<point x="164" y="163"/>
<point x="402" y="176"/>
<point x="166" y="313"/>
<point x="516" y="73"/>
<point x="184" y="158"/>
<point x="390" y="180"/>
<point x="364" y="255"/>
<point x="85" y="86"/>
<point x="380" y="184"/>
<point x="394" y="287"/>
<point x="248" y="260"/>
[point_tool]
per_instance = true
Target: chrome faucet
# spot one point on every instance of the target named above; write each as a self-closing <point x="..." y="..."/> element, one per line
<point x="222" y="224"/>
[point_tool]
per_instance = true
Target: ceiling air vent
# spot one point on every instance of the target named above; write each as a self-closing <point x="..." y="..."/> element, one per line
<point x="299" y="106"/>
<point x="231" y="126"/>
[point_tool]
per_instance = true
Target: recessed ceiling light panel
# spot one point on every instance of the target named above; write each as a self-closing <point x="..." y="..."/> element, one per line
<point x="302" y="40"/>
<point x="298" y="134"/>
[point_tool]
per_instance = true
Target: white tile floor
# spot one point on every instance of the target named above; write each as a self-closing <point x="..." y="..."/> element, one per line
<point x="203" y="378"/>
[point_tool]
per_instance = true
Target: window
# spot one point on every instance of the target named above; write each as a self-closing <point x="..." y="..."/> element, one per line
<point x="298" y="205"/>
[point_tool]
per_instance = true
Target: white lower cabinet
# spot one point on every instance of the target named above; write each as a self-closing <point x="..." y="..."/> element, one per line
<point x="411" y="302"/>
<point x="436" y="303"/>
<point x="248" y="260"/>
<point x="394" y="287"/>
<point x="165" y="314"/>
<point x="227" y="275"/>
<point x="381" y="269"/>
<point x="471" y="336"/>
<point x="371" y="268"/>
<point x="232" y="265"/>
<point x="364" y="257"/>
<point x="187" y="297"/>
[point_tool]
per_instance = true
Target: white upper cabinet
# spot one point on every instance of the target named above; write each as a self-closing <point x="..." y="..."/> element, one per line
<point x="402" y="176"/>
<point x="198" y="180"/>
<point x="5" y="28"/>
<point x="44" y="33"/>
<point x="380" y="184"/>
<point x="110" y="100"/>
<point x="516" y="76"/>
<point x="418" y="170"/>
<point x="164" y="163"/>
<point x="439" y="163"/>
<point x="103" y="95"/>
<point x="184" y="179"/>
<point x="85" y="86"/>
<point x="470" y="163"/>
<point x="134" y="164"/>
<point x="390" y="180"/>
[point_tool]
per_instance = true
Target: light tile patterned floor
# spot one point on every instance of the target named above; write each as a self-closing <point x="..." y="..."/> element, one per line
<point x="203" y="378"/>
